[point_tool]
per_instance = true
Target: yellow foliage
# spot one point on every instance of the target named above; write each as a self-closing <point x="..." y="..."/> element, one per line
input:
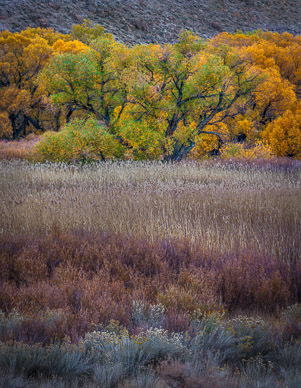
<point x="284" y="134"/>
<point x="87" y="31"/>
<point x="261" y="150"/>
<point x="206" y="143"/>
<point x="14" y="100"/>
<point x="6" y="130"/>
<point x="48" y="34"/>
<point x="274" y="96"/>
<point x="183" y="133"/>
<point x="157" y="100"/>
<point x="246" y="126"/>
<point x="262" y="54"/>
<point x="75" y="46"/>
<point x="278" y="57"/>
<point x="22" y="57"/>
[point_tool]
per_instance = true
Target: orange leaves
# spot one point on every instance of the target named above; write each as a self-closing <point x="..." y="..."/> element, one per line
<point x="284" y="134"/>
<point x="15" y="100"/>
<point x="274" y="95"/>
<point x="245" y="126"/>
<point x="74" y="47"/>
<point x="278" y="59"/>
<point x="291" y="66"/>
<point x="261" y="150"/>
<point x="22" y="56"/>
<point x="205" y="143"/>
<point x="5" y="127"/>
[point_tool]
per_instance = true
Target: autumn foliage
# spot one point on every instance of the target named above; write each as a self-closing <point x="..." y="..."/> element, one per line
<point x="157" y="102"/>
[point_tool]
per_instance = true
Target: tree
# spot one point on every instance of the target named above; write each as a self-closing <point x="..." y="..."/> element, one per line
<point x="22" y="56"/>
<point x="278" y="58"/>
<point x="73" y="46"/>
<point x="186" y="89"/>
<point x="21" y="59"/>
<point x="87" y="81"/>
<point x="87" y="32"/>
<point x="272" y="97"/>
<point x="284" y="134"/>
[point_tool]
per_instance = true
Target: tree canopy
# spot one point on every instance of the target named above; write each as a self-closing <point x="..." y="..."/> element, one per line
<point x="158" y="102"/>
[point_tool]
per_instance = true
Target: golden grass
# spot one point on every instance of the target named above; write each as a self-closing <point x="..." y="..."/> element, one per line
<point x="226" y="207"/>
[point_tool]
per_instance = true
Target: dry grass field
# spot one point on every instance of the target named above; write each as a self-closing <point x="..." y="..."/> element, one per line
<point x="143" y="274"/>
<point x="222" y="206"/>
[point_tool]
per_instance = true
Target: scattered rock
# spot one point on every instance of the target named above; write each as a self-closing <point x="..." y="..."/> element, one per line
<point x="216" y="26"/>
<point x="154" y="20"/>
<point x="141" y="25"/>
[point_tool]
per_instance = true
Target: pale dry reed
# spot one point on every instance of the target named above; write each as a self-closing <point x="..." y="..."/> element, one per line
<point x="226" y="208"/>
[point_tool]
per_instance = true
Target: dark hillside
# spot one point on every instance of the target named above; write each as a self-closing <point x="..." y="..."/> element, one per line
<point x="139" y="21"/>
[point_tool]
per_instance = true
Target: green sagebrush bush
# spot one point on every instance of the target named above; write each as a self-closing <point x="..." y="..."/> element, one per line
<point x="83" y="140"/>
<point x="234" y="340"/>
<point x="291" y="318"/>
<point x="64" y="361"/>
<point x="289" y="360"/>
<point x="132" y="352"/>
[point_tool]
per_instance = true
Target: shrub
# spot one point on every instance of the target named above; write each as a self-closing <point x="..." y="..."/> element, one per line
<point x="289" y="360"/>
<point x="205" y="374"/>
<point x="133" y="352"/>
<point x="212" y="341"/>
<point x="151" y="317"/>
<point x="252" y="336"/>
<point x="109" y="375"/>
<point x="81" y="140"/>
<point x="64" y="361"/>
<point x="256" y="373"/>
<point x="292" y="322"/>
<point x="292" y="313"/>
<point x="146" y="379"/>
<point x="85" y="279"/>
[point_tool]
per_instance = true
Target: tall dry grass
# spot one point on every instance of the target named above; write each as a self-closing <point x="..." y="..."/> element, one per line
<point x="22" y="149"/>
<point x="225" y="207"/>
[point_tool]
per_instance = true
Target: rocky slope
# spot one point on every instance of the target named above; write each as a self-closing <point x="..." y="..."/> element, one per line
<point x="137" y="21"/>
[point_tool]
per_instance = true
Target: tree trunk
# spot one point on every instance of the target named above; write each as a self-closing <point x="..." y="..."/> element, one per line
<point x="181" y="152"/>
<point x="18" y="128"/>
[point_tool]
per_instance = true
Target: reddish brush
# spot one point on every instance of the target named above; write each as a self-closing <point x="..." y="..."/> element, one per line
<point x="93" y="278"/>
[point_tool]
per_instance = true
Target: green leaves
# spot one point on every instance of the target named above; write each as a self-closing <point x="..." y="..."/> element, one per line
<point x="82" y="140"/>
<point x="85" y="81"/>
<point x="185" y="88"/>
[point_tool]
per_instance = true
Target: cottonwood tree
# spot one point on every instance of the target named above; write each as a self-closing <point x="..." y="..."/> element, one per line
<point x="21" y="59"/>
<point x="87" y="31"/>
<point x="186" y="89"/>
<point x="88" y="81"/>
<point x="276" y="56"/>
<point x="23" y="104"/>
<point x="284" y="134"/>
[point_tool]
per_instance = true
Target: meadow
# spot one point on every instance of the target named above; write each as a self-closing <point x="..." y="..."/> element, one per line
<point x="131" y="274"/>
